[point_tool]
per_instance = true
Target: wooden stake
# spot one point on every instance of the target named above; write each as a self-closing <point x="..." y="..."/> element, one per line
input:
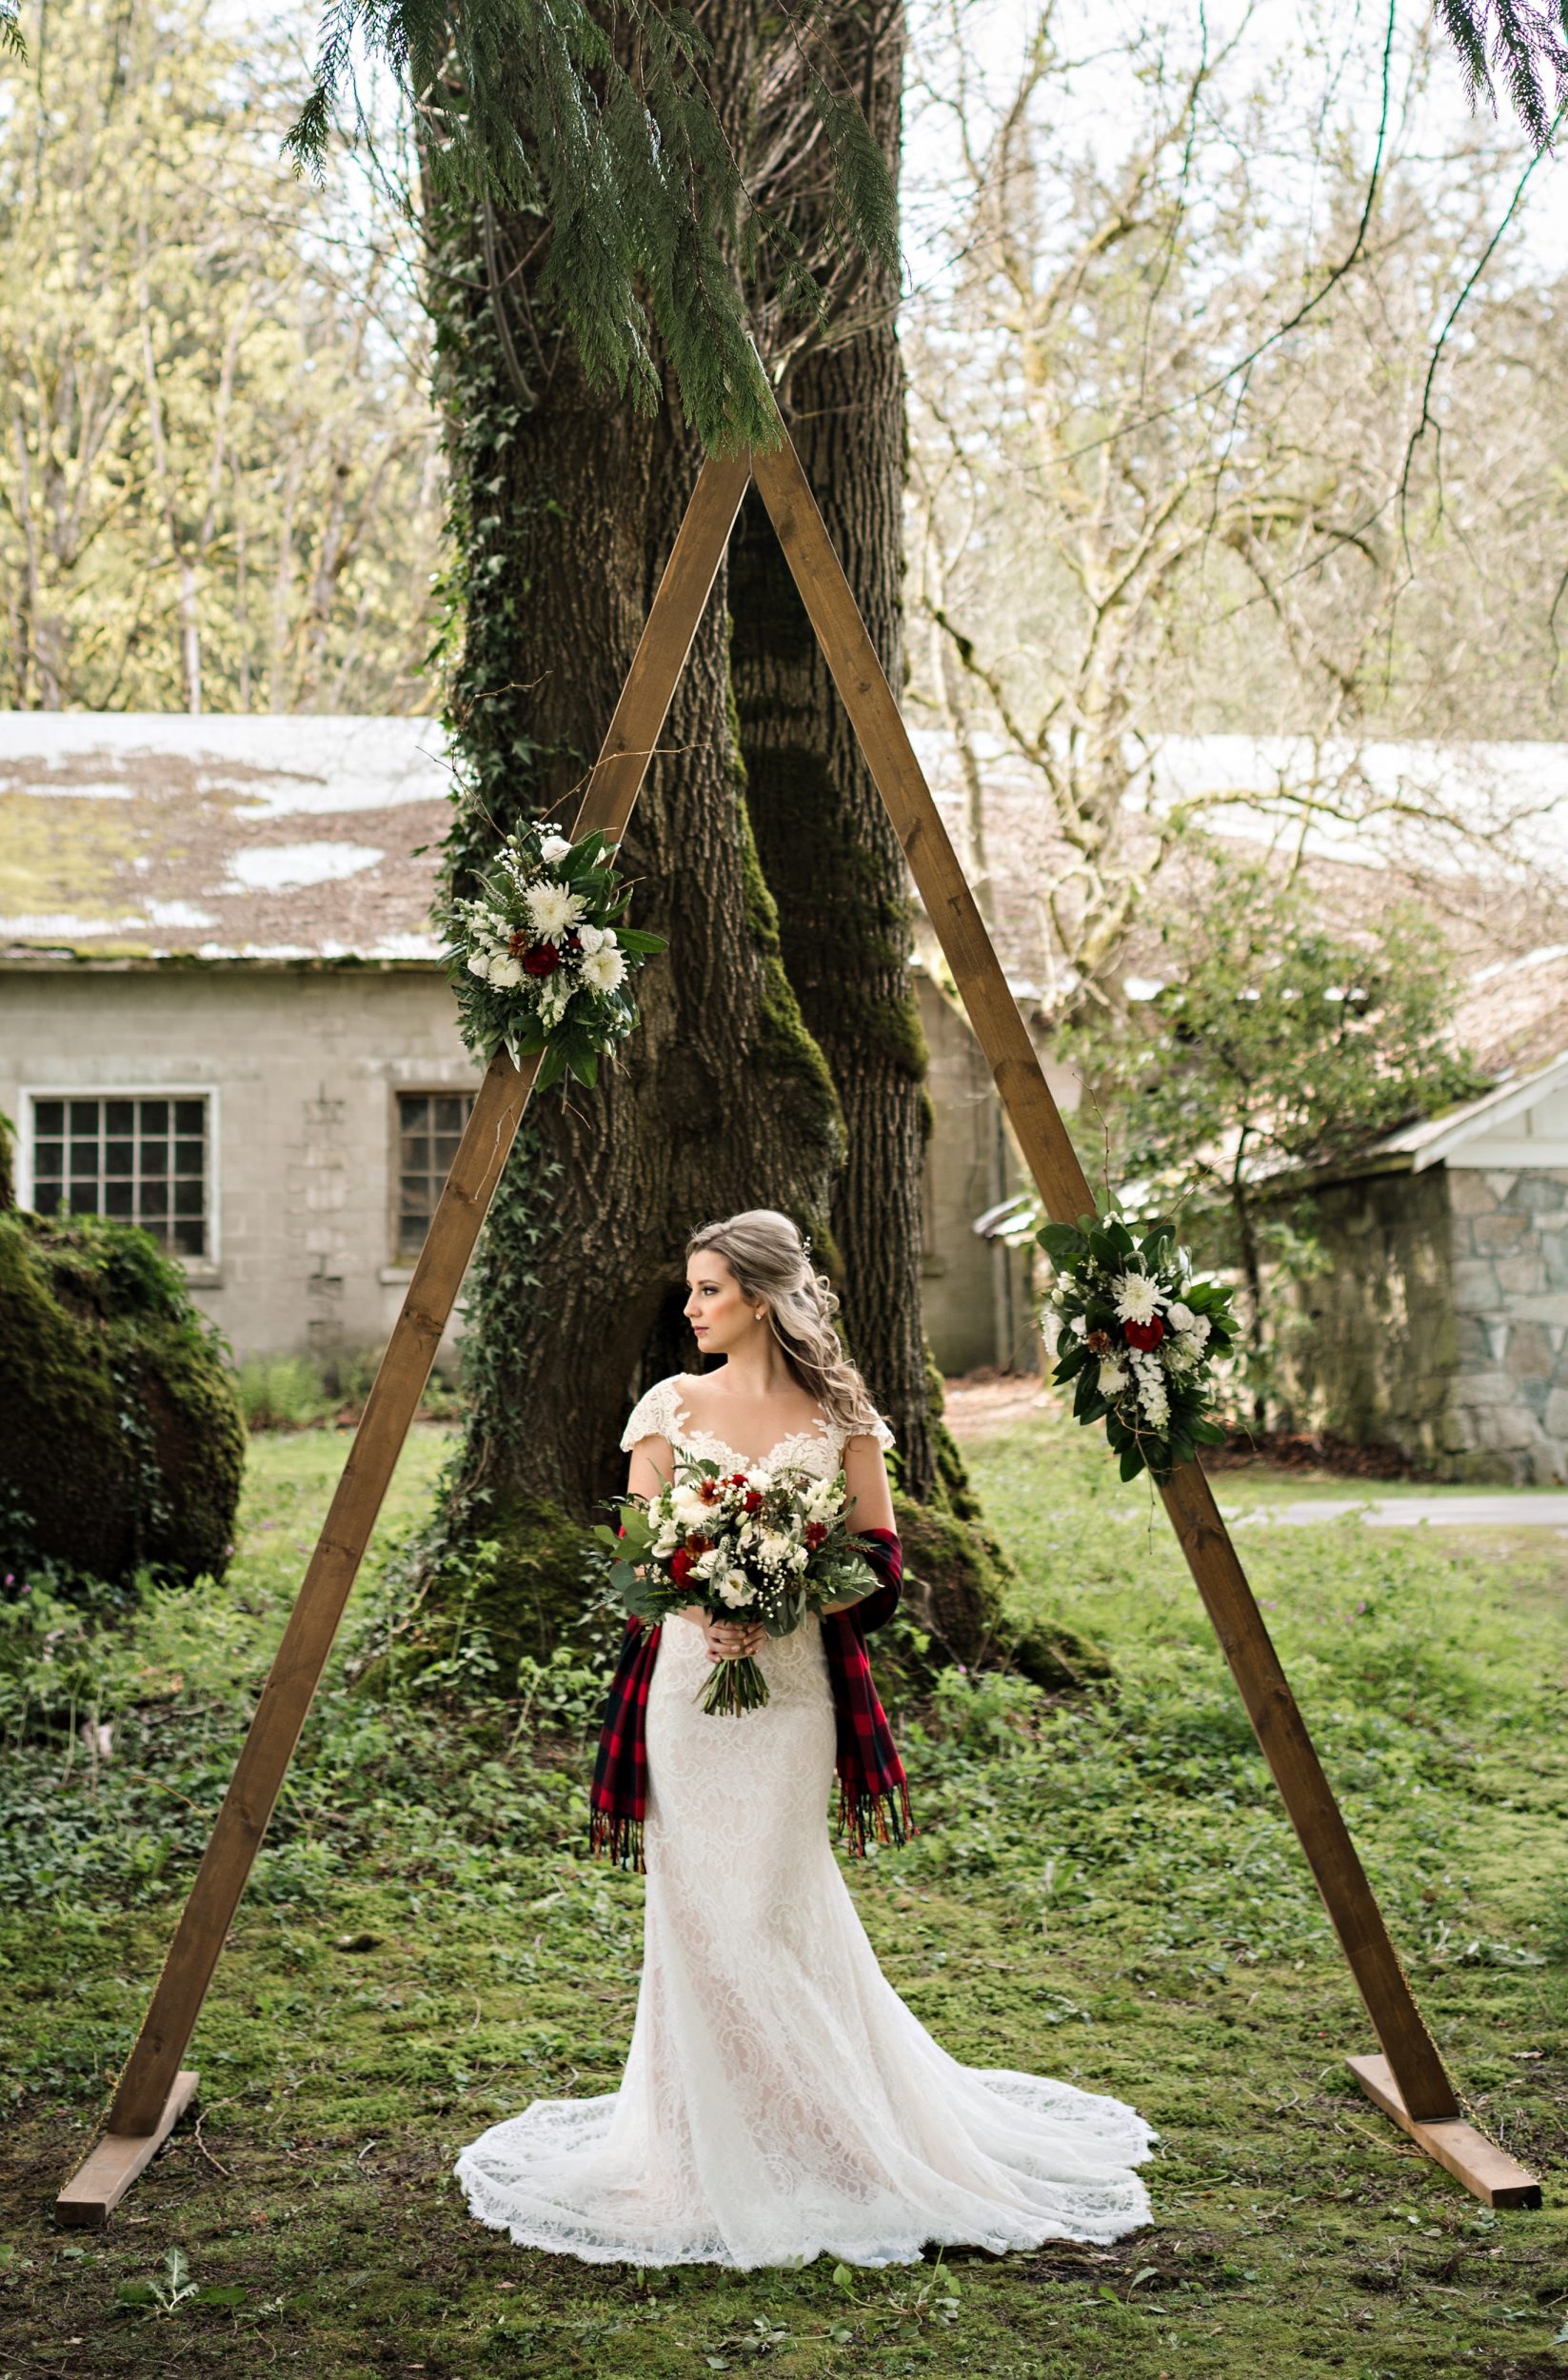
<point x="101" y="2181"/>
<point x="152" y="2088"/>
<point x="949" y="903"/>
<point x="1477" y="2162"/>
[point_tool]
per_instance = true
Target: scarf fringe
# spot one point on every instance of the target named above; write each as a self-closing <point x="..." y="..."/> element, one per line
<point x="860" y="1811"/>
<point x="620" y="1839"/>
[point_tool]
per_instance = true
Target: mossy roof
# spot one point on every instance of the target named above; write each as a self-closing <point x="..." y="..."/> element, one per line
<point x="136" y="837"/>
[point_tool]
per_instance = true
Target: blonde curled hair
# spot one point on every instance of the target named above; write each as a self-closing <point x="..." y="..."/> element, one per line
<point x="772" y="1263"/>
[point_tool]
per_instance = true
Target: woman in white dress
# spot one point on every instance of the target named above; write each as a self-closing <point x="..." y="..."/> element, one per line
<point x="778" y="2100"/>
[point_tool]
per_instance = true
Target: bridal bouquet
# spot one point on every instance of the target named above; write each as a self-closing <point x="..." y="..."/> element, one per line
<point x="540" y="960"/>
<point x="756" y="1545"/>
<point x="1139" y="1336"/>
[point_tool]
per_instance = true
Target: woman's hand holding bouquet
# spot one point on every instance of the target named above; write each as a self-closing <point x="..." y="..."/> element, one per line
<point x="760" y="1546"/>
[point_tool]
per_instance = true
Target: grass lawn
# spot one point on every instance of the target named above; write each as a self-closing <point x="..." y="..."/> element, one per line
<point x="1104" y="1888"/>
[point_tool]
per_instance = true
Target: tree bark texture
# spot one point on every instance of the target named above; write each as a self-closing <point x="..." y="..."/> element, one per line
<point x="568" y="504"/>
<point x="830" y="853"/>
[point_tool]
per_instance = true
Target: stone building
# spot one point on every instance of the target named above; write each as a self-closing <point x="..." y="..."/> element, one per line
<point x="222" y="1015"/>
<point x="1441" y="1325"/>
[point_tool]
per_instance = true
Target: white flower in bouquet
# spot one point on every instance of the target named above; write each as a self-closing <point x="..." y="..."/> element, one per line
<point x="821" y="1500"/>
<point x="1179" y="1316"/>
<point x="480" y="964"/>
<point x="552" y="911"/>
<point x="505" y="971"/>
<point x="1138" y="1298"/>
<point x="776" y="1550"/>
<point x="705" y="1564"/>
<point x="687" y="1506"/>
<point x="734" y="1589"/>
<point x="666" y="1540"/>
<point x="591" y="939"/>
<point x="604" y="969"/>
<point x="1113" y="1375"/>
<point x="555" y="847"/>
<point x="1151" y="1390"/>
<point x="1080" y="1325"/>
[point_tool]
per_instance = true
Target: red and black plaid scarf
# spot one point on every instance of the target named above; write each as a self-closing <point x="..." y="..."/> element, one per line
<point x="873" y="1789"/>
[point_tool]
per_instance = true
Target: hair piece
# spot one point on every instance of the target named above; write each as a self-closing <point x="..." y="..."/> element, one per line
<point x="769" y="1258"/>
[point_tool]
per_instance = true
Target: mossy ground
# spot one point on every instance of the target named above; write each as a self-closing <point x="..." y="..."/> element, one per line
<point x="1105" y="1889"/>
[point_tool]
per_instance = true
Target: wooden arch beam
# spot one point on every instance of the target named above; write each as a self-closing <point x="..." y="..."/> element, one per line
<point x="1408" y="2080"/>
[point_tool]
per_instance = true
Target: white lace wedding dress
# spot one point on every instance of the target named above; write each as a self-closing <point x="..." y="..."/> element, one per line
<point x="779" y="2099"/>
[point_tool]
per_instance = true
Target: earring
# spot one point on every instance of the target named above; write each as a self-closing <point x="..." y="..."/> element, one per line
<point x="759" y="1315"/>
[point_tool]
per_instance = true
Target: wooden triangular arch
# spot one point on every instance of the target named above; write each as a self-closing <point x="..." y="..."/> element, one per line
<point x="1407" y="2080"/>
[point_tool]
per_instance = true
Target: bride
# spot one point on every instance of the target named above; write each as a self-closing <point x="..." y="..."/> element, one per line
<point x="778" y="2100"/>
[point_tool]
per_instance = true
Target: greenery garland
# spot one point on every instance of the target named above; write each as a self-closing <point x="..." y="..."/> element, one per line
<point x="1139" y="1336"/>
<point x="541" y="959"/>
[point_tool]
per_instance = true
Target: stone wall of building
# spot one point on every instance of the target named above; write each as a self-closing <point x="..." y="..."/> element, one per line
<point x="1369" y="1349"/>
<point x="976" y="1292"/>
<point x="1508" y="1413"/>
<point x="305" y="1065"/>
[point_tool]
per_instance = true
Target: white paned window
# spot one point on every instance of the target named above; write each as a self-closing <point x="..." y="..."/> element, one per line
<point x="429" y="1126"/>
<point x="139" y="1160"/>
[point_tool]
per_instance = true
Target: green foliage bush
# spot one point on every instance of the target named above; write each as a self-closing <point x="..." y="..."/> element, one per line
<point x="124" y="1446"/>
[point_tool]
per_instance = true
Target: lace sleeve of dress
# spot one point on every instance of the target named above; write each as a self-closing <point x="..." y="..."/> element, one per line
<point x="881" y="1431"/>
<point x="653" y="1415"/>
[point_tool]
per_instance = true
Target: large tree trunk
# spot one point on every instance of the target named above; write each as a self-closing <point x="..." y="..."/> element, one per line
<point x="831" y="855"/>
<point x="565" y="509"/>
<point x="566" y="505"/>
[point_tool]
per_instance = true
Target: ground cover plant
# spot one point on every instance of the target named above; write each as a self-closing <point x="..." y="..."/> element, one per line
<point x="1104" y="1888"/>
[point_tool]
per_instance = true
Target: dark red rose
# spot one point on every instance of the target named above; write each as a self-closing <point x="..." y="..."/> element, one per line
<point x="681" y="1563"/>
<point x="737" y="1479"/>
<point x="753" y="1502"/>
<point x="1145" y="1334"/>
<point x="542" y="960"/>
<point x="815" y="1531"/>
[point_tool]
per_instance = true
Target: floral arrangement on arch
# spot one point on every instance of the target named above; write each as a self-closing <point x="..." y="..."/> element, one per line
<point x="540" y="958"/>
<point x="1139" y="1336"/>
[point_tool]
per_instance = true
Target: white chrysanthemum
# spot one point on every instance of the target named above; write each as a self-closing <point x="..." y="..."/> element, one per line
<point x="1113" y="1376"/>
<point x="687" y="1506"/>
<point x="552" y="911"/>
<point x="1193" y="1346"/>
<point x="504" y="972"/>
<point x="1137" y="1298"/>
<point x="555" y="847"/>
<point x="604" y="969"/>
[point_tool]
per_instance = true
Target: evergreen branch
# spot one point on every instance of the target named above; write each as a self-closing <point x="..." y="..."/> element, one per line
<point x="1522" y="46"/>
<point x="604" y="129"/>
